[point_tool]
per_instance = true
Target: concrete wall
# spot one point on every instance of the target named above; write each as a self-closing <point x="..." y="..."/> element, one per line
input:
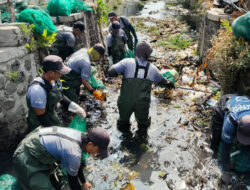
<point x="208" y="26"/>
<point x="16" y="58"/>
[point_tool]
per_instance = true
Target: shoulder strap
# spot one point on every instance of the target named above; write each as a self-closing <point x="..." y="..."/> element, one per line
<point x="46" y="87"/>
<point x="227" y="109"/>
<point x="55" y="132"/>
<point x="137" y="67"/>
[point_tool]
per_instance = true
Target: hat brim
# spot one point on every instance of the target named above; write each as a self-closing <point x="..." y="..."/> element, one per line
<point x="245" y="140"/>
<point x="103" y="153"/>
<point x="65" y="70"/>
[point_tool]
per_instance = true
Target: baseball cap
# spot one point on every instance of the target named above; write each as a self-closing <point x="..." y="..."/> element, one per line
<point x="79" y="25"/>
<point x="100" y="48"/>
<point x="55" y="63"/>
<point x="111" y="14"/>
<point x="100" y="137"/>
<point x="243" y="130"/>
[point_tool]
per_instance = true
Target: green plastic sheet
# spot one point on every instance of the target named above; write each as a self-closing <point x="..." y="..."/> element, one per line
<point x="39" y="18"/>
<point x="8" y="182"/>
<point x="241" y="26"/>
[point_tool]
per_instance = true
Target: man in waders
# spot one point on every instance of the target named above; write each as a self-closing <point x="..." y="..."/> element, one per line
<point x="64" y="45"/>
<point x="138" y="76"/>
<point x="80" y="64"/>
<point x="45" y="92"/>
<point x="231" y="134"/>
<point x="117" y="43"/>
<point x="37" y="153"/>
<point x="127" y="27"/>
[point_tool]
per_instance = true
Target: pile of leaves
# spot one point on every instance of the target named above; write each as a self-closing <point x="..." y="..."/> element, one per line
<point x="228" y="57"/>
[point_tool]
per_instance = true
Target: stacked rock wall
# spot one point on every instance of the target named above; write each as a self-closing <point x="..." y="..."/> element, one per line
<point x="18" y="68"/>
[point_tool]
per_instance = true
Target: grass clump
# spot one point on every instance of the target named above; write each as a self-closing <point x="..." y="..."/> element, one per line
<point x="176" y="42"/>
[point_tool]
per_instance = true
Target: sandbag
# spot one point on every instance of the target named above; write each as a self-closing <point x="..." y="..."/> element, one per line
<point x="241" y="26"/>
<point x="239" y="157"/>
<point x="8" y="182"/>
<point x="40" y="19"/>
<point x="128" y="54"/>
<point x="77" y="6"/>
<point x="59" y="7"/>
<point x="79" y="124"/>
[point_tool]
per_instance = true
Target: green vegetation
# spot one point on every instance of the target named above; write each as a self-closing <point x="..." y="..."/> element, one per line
<point x="140" y="4"/>
<point x="154" y="30"/>
<point x="27" y="30"/>
<point x="176" y="42"/>
<point x="31" y="45"/>
<point x="44" y="40"/>
<point x="12" y="75"/>
<point x="102" y="11"/>
<point x="228" y="57"/>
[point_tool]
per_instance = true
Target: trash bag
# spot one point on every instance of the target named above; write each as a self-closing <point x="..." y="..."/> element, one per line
<point x="96" y="83"/>
<point x="40" y="19"/>
<point x="241" y="26"/>
<point x="5" y="17"/>
<point x="59" y="7"/>
<point x="8" y="182"/>
<point x="128" y="54"/>
<point x="239" y="157"/>
<point x="77" y="6"/>
<point x="79" y="124"/>
<point x="167" y="75"/>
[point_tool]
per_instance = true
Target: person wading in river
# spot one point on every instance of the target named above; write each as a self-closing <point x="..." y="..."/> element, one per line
<point x="35" y="156"/>
<point x="45" y="92"/>
<point x="80" y="64"/>
<point x="117" y="43"/>
<point x="138" y="76"/>
<point x="231" y="134"/>
<point x="65" y="42"/>
<point x="126" y="26"/>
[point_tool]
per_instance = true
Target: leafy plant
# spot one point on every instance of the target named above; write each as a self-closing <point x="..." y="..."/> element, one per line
<point x="31" y="45"/>
<point x="176" y="42"/>
<point x="27" y="30"/>
<point x="225" y="24"/>
<point x="102" y="11"/>
<point x="40" y="72"/>
<point x="44" y="40"/>
<point x="12" y="75"/>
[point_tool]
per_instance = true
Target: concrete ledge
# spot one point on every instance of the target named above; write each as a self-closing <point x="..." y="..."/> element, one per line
<point x="10" y="53"/>
<point x="10" y="36"/>
<point x="67" y="19"/>
<point x="217" y="14"/>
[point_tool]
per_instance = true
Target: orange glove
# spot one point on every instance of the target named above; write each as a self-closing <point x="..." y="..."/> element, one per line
<point x="98" y="95"/>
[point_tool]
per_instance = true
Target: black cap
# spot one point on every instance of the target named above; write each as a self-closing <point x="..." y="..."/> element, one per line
<point x="100" y="48"/>
<point x="115" y="25"/>
<point x="111" y="14"/>
<point x="243" y="131"/>
<point x="100" y="137"/>
<point x="55" y="63"/>
<point x="79" y="25"/>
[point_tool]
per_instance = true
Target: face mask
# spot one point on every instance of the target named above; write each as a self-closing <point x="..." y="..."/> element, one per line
<point x="94" y="55"/>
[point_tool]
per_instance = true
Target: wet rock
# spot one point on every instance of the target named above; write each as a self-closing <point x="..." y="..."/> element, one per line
<point x="16" y="65"/>
<point x="8" y="103"/>
<point x="27" y="64"/>
<point x="21" y="90"/>
<point x="21" y="77"/>
<point x="30" y="79"/>
<point x="10" y="87"/>
<point x="2" y="81"/>
<point x="170" y="184"/>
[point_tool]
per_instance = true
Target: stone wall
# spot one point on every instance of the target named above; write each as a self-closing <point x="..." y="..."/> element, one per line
<point x="18" y="68"/>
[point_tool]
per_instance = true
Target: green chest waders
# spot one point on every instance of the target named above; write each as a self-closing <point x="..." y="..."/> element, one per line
<point x="71" y="85"/>
<point x="33" y="163"/>
<point x="126" y="29"/>
<point x="135" y="96"/>
<point x="117" y="49"/>
<point x="53" y="97"/>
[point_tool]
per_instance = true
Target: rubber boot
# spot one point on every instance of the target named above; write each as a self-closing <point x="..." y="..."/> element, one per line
<point x="142" y="132"/>
<point x="124" y="127"/>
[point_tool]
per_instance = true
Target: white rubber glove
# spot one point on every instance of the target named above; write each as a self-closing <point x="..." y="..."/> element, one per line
<point x="126" y="47"/>
<point x="110" y="61"/>
<point x="75" y="108"/>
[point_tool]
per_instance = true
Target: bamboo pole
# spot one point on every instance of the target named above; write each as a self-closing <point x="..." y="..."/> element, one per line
<point x="11" y="10"/>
